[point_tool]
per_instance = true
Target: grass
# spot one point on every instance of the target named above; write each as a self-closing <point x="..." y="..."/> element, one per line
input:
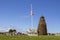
<point x="4" y="37"/>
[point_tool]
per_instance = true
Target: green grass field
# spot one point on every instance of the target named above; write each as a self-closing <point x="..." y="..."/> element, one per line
<point x="3" y="37"/>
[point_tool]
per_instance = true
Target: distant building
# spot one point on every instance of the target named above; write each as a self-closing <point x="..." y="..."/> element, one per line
<point x="57" y="34"/>
<point x="53" y="34"/>
<point x="31" y="32"/>
<point x="1" y="33"/>
<point x="7" y="33"/>
<point x="42" y="30"/>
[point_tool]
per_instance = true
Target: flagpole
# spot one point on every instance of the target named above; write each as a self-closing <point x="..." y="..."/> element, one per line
<point x="31" y="14"/>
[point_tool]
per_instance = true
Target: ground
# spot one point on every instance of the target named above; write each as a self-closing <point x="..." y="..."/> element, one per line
<point x="4" y="37"/>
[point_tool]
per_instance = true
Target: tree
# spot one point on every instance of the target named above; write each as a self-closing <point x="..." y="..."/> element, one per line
<point x="12" y="32"/>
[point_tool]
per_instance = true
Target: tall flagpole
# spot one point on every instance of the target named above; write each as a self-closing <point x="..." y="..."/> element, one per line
<point x="31" y="15"/>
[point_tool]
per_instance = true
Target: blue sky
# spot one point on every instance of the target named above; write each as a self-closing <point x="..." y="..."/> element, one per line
<point x="13" y="14"/>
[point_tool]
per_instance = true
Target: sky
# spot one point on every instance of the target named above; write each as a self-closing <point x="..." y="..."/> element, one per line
<point x="15" y="14"/>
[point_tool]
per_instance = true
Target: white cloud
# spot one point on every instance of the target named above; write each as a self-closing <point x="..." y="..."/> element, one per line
<point x="4" y="29"/>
